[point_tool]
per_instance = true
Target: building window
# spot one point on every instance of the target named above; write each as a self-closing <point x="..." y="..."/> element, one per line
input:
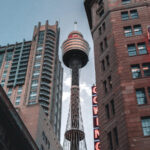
<point x="107" y="111"/>
<point x="110" y="143"/>
<point x="146" y="69"/>
<point x="36" y="73"/>
<point x="103" y="65"/>
<point x="37" y="65"/>
<point x="19" y="90"/>
<point x="136" y="72"/>
<point x="146" y="126"/>
<point x="1" y="58"/>
<point x="3" y="82"/>
<point x="142" y="48"/>
<point x="39" y="49"/>
<point x="137" y="29"/>
<point x="33" y="93"/>
<point x="41" y="37"/>
<point x="105" y="41"/>
<point x="100" y="30"/>
<point x="17" y="100"/>
<point x="115" y="131"/>
<point x="9" y="56"/>
<point x="124" y="15"/>
<point x="9" y="92"/>
<point x="38" y="56"/>
<point x="131" y="49"/>
<point x="105" y="86"/>
<point x="112" y="107"/>
<point x="101" y="10"/>
<point x="34" y="83"/>
<point x="42" y="148"/>
<point x="107" y="60"/>
<point x="140" y="96"/>
<point x="101" y="46"/>
<point x="6" y="65"/>
<point x="104" y="26"/>
<point x="4" y="74"/>
<point x="126" y="2"/>
<point x="110" y="82"/>
<point x="134" y="14"/>
<point x="128" y="31"/>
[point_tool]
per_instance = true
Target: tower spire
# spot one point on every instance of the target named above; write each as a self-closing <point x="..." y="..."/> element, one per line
<point x="75" y="25"/>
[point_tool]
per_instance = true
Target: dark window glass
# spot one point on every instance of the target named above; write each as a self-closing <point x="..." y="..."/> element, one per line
<point x="146" y="126"/>
<point x="109" y="135"/>
<point x="112" y="106"/>
<point x="107" y="60"/>
<point x="19" y="90"/>
<point x="17" y="100"/>
<point x="41" y="37"/>
<point x="1" y="59"/>
<point x="136" y="72"/>
<point x="134" y="14"/>
<point x="128" y="31"/>
<point x="9" y="56"/>
<point x="42" y="148"/>
<point x="126" y="2"/>
<point x="116" y="136"/>
<point x="105" y="86"/>
<point x="103" y="65"/>
<point x="101" y="12"/>
<point x="142" y="48"/>
<point x="107" y="111"/>
<point x="110" y="81"/>
<point x="137" y="29"/>
<point x="131" y="49"/>
<point x="104" y="26"/>
<point x="124" y="15"/>
<point x="100" y="30"/>
<point x="105" y="41"/>
<point x="101" y="46"/>
<point x="146" y="69"/>
<point x="140" y="96"/>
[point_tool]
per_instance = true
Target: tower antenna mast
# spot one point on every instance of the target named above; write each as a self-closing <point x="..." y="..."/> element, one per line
<point x="75" y="25"/>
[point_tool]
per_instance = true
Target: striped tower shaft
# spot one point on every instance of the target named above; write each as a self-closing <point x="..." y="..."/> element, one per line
<point x="75" y="105"/>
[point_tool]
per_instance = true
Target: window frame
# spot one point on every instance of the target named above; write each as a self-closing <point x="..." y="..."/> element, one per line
<point x="145" y="125"/>
<point x="141" y="97"/>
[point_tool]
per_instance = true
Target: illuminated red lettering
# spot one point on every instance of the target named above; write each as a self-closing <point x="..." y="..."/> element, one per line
<point x="97" y="121"/>
<point x="94" y="99"/>
<point x="95" y="110"/>
<point x="96" y="133"/>
<point x="94" y="90"/>
<point x="97" y="145"/>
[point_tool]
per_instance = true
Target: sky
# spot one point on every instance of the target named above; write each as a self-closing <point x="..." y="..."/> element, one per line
<point x="18" y="18"/>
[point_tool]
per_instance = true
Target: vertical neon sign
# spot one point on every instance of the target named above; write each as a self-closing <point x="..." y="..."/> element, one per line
<point x="95" y="119"/>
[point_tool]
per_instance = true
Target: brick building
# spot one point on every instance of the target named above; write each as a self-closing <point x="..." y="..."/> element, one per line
<point x="121" y="35"/>
<point x="13" y="133"/>
<point x="31" y="75"/>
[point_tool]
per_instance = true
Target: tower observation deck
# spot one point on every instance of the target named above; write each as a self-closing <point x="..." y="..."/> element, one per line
<point x="75" y="56"/>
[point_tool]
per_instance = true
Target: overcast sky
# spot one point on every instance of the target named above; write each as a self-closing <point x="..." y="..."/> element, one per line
<point x="18" y="18"/>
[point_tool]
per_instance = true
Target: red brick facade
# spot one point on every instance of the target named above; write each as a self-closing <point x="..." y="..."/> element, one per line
<point x="125" y="123"/>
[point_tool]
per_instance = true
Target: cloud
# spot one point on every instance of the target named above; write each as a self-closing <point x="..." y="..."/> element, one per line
<point x="66" y="96"/>
<point x="84" y="87"/>
<point x="67" y="81"/>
